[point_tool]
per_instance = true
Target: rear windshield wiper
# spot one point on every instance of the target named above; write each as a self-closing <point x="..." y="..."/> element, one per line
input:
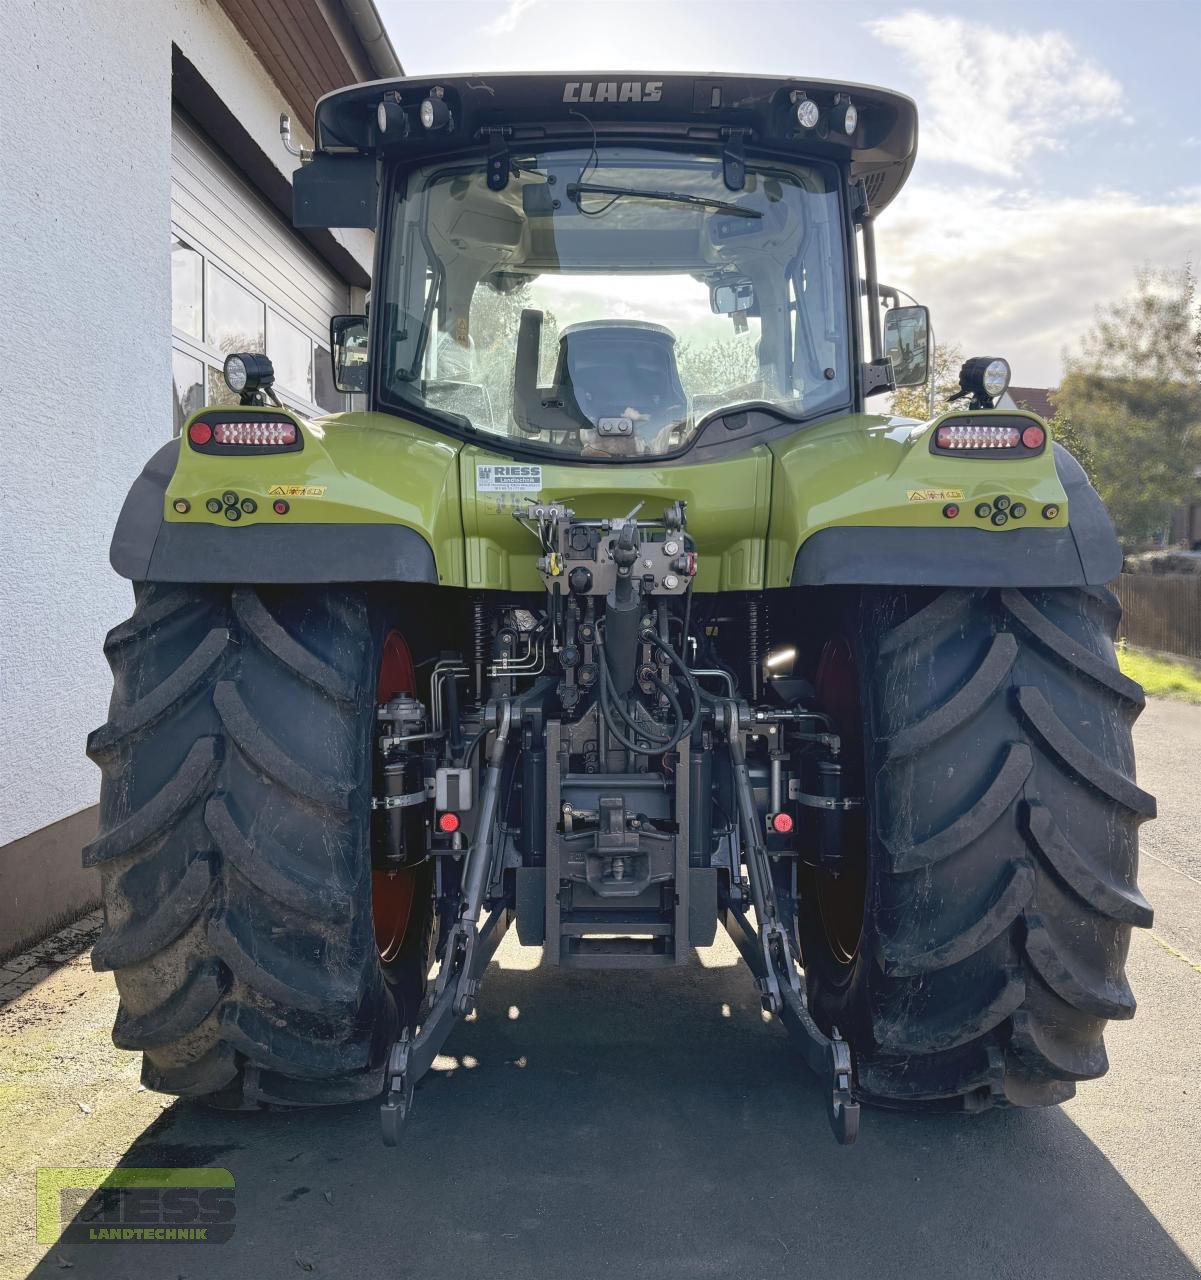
<point x="577" y="189"/>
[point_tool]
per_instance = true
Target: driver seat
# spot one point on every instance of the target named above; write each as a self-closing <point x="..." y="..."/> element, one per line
<point x="609" y="366"/>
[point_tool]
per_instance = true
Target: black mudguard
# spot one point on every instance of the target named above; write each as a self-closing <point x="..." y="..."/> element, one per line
<point x="1086" y="553"/>
<point x="147" y="548"/>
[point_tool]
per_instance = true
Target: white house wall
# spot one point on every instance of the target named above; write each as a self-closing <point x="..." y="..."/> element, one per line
<point x="85" y="325"/>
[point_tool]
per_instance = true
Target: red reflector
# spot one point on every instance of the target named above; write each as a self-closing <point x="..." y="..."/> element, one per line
<point x="257" y="433"/>
<point x="951" y="510"/>
<point x="200" y="433"/>
<point x="975" y="435"/>
<point x="448" y="823"/>
<point x="280" y="507"/>
<point x="1034" y="437"/>
<point x="781" y="823"/>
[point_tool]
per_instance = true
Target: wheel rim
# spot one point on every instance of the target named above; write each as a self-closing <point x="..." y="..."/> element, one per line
<point x="842" y="899"/>
<point x="392" y="891"/>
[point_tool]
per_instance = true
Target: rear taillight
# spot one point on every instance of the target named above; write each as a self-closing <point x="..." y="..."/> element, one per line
<point x="1034" y="437"/>
<point x="244" y="431"/>
<point x="266" y="432"/>
<point x="966" y="435"/>
<point x="986" y="437"/>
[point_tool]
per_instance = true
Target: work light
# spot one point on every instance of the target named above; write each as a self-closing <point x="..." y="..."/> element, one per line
<point x="390" y="116"/>
<point x="434" y="112"/>
<point x="844" y="115"/>
<point x="247" y="372"/>
<point x="985" y="377"/>
<point x="808" y="113"/>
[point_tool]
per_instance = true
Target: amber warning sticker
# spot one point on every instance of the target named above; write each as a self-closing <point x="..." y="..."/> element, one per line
<point x="935" y="495"/>
<point x="296" y="491"/>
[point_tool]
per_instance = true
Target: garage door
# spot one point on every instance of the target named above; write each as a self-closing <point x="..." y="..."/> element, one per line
<point x="242" y="280"/>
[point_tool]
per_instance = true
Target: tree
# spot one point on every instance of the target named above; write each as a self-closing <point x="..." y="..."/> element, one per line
<point x="1132" y="395"/>
<point x="713" y="367"/>
<point x="495" y="320"/>
<point x="1065" y="432"/>
<point x="914" y="402"/>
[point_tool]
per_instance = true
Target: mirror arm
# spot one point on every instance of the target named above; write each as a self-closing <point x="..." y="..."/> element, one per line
<point x="303" y="154"/>
<point x="867" y="223"/>
<point x="930" y="352"/>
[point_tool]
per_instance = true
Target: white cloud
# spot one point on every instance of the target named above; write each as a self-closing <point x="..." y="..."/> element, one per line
<point x="508" y="18"/>
<point x="993" y="98"/>
<point x="1020" y="275"/>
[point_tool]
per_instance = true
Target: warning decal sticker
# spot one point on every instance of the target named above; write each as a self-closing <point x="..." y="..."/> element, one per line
<point x="935" y="495"/>
<point x="296" y="491"/>
<point x="507" y="477"/>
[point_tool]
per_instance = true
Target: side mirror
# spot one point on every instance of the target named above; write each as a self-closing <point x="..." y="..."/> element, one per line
<point x="727" y="299"/>
<point x="348" y="351"/>
<point x="907" y="344"/>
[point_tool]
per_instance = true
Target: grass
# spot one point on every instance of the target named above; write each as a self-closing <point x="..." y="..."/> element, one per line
<point x="1161" y="677"/>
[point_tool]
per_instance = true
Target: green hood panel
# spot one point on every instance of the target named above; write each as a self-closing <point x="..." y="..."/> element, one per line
<point x="728" y="506"/>
<point x="876" y="471"/>
<point x="748" y="513"/>
<point x="355" y="468"/>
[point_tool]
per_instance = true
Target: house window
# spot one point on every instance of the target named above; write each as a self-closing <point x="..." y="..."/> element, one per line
<point x="187" y="289"/>
<point x="233" y="319"/>
<point x="187" y="375"/>
<point x="291" y="353"/>
<point x="214" y="314"/>
<point x="325" y="393"/>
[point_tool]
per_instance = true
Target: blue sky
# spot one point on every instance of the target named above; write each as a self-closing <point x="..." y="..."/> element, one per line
<point x="1060" y="142"/>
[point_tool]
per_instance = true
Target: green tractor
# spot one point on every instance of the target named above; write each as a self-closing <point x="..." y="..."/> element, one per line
<point x="613" y="612"/>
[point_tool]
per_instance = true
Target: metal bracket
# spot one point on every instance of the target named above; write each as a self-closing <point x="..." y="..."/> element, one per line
<point x="303" y="154"/>
<point x="827" y="802"/>
<point x="398" y="1102"/>
<point x="460" y="955"/>
<point x="399" y="802"/>
<point x="733" y="158"/>
<point x="877" y="375"/>
<point x="497" y="163"/>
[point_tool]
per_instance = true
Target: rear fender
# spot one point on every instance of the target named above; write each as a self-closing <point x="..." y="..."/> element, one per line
<point x="862" y="501"/>
<point x="369" y="498"/>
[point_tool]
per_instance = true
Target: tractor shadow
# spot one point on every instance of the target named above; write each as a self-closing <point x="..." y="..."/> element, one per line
<point x="642" y="1125"/>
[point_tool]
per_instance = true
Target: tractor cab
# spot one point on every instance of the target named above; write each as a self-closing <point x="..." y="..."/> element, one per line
<point x="609" y="269"/>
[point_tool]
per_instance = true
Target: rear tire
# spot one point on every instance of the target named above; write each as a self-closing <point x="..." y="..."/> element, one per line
<point x="235" y="846"/>
<point x="1002" y="848"/>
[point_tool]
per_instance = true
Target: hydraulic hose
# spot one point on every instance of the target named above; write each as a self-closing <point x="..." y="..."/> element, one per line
<point x="615" y="706"/>
<point x="682" y="729"/>
<point x="611" y="708"/>
<point x="611" y="719"/>
<point x="608" y="683"/>
<point x="689" y="679"/>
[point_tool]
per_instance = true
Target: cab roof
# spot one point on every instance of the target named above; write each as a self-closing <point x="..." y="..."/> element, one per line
<point x="519" y="110"/>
